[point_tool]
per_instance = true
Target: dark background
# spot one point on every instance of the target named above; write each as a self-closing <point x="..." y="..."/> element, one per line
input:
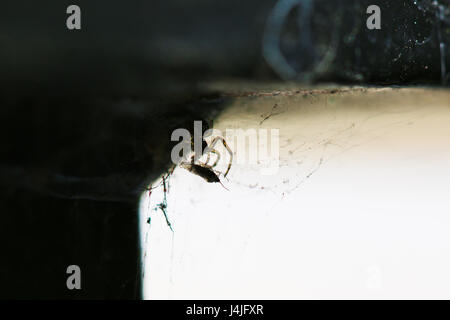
<point x="86" y="115"/>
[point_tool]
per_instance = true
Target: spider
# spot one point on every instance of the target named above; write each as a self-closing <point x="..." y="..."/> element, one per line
<point x="205" y="170"/>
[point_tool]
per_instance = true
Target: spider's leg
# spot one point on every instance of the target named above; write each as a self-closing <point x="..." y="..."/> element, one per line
<point x="228" y="149"/>
<point x="231" y="156"/>
<point x="208" y="152"/>
<point x="193" y="159"/>
<point x="217" y="159"/>
<point x="210" y="149"/>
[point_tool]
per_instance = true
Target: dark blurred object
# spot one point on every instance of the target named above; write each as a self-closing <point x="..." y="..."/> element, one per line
<point x="161" y="47"/>
<point x="319" y="40"/>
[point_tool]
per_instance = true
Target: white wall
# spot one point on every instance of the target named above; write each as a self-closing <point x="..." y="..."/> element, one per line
<point x="360" y="207"/>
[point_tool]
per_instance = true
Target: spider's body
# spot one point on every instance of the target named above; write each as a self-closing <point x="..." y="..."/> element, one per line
<point x="202" y="171"/>
<point x="205" y="170"/>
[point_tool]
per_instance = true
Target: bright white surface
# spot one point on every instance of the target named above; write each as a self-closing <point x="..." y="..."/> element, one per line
<point x="359" y="209"/>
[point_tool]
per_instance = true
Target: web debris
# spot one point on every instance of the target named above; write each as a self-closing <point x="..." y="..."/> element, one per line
<point x="163" y="204"/>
